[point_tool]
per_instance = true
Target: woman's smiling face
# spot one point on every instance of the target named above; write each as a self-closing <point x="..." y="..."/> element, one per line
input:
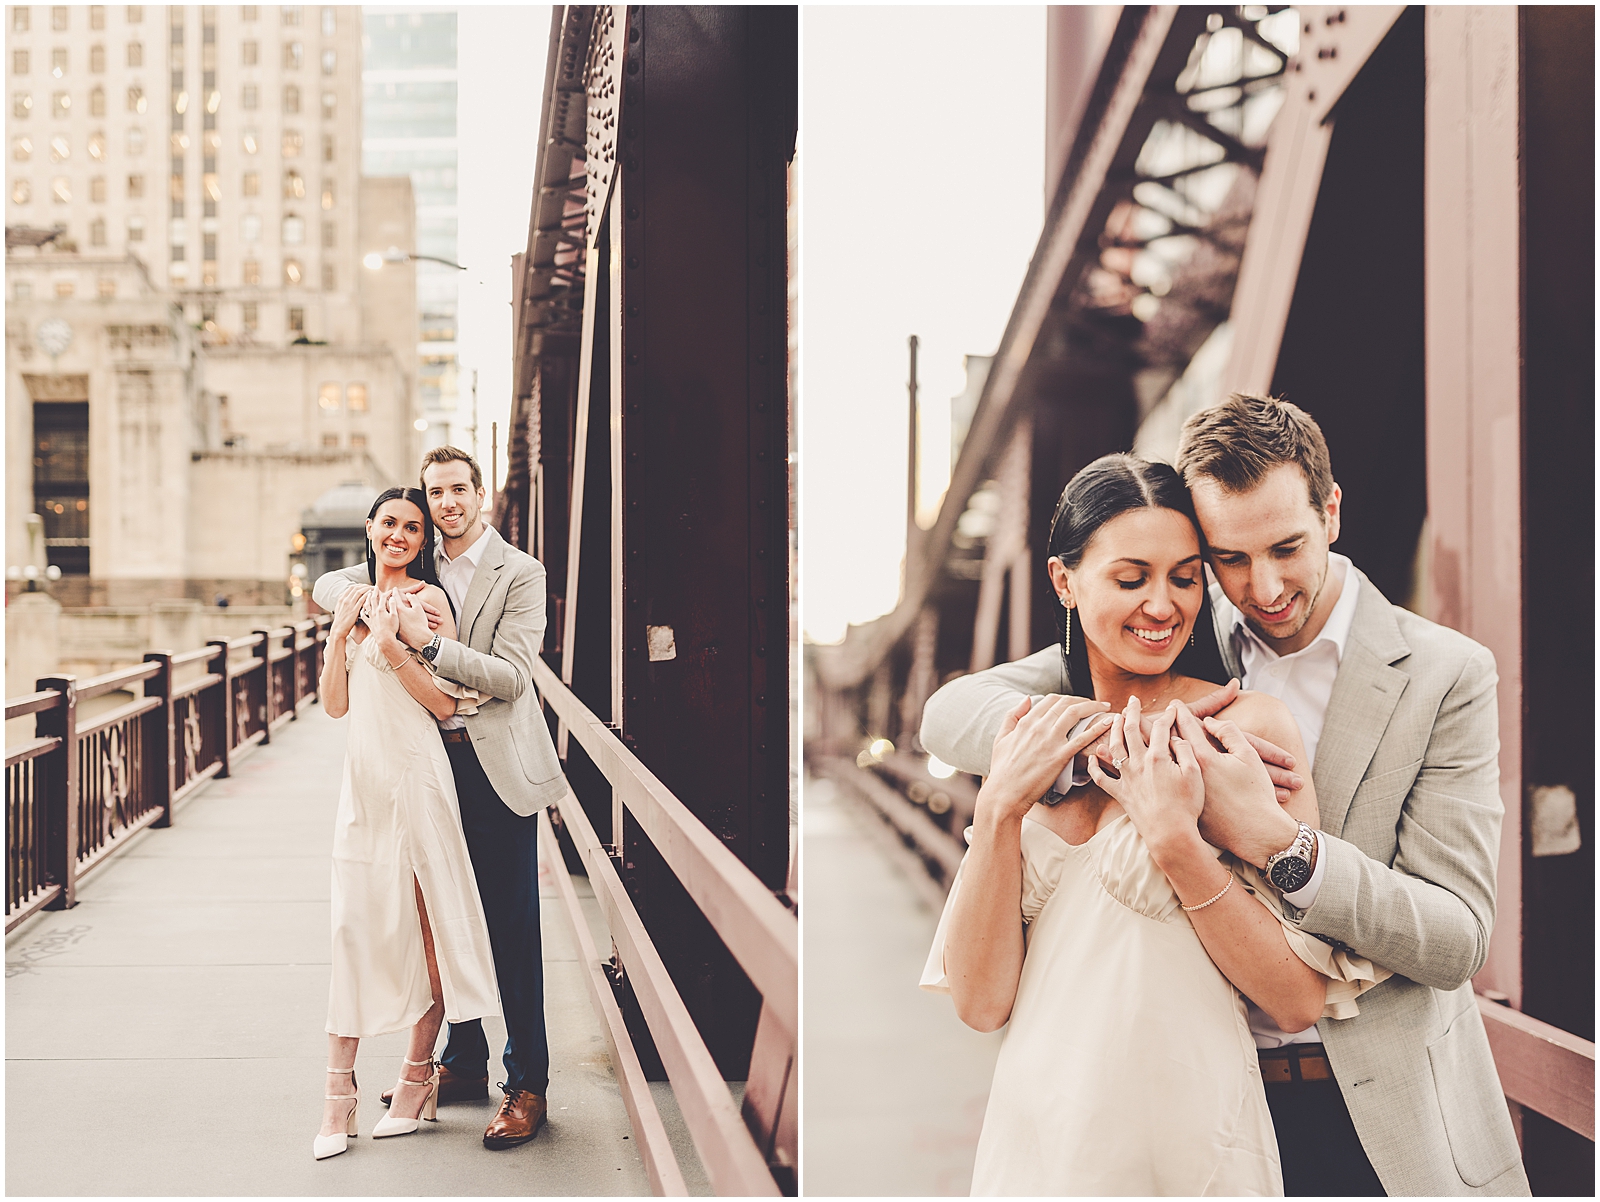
<point x="1137" y="591"/>
<point x="396" y="532"/>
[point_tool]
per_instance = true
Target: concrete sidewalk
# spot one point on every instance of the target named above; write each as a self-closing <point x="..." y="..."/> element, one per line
<point x="165" y="1037"/>
<point x="895" y="1085"/>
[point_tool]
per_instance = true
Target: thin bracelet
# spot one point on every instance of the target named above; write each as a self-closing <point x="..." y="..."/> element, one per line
<point x="1213" y="901"/>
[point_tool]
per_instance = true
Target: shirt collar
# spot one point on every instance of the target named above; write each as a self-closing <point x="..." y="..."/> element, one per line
<point x="473" y="553"/>
<point x="1337" y="628"/>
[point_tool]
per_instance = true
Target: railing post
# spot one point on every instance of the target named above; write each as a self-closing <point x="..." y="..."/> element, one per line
<point x="264" y="641"/>
<point x="162" y="766"/>
<point x="60" y="788"/>
<point x="219" y="665"/>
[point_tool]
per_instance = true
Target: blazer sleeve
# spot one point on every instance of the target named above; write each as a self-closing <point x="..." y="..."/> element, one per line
<point x="330" y="586"/>
<point x="1429" y="915"/>
<point x="961" y="720"/>
<point x="507" y="670"/>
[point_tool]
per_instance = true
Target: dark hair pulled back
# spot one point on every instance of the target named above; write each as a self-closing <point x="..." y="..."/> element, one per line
<point x="421" y="566"/>
<point x="1107" y="488"/>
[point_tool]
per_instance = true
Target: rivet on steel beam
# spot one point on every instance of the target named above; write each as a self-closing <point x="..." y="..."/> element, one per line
<point x="633" y="310"/>
<point x="634" y="357"/>
<point x="634" y="554"/>
<point x="761" y="554"/>
<point x="762" y="357"/>
<point x="761" y="602"/>
<point x="633" y="213"/>
<point x="761" y="698"/>
<point x="633" y="260"/>
<point x="761" y="653"/>
<point x="633" y="34"/>
<point x="762" y="748"/>
<point x="634" y="407"/>
<point x="633" y="67"/>
<point x="761" y="308"/>
<point x="761" y="406"/>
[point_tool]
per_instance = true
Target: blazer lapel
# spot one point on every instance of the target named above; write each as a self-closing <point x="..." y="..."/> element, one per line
<point x="489" y="565"/>
<point x="1222" y="612"/>
<point x="1365" y="694"/>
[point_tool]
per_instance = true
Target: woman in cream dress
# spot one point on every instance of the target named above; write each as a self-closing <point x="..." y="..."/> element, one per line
<point x="410" y="944"/>
<point x="1104" y="933"/>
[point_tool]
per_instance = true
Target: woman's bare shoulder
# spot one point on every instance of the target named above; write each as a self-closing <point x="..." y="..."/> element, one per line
<point x="1259" y="714"/>
<point x="436" y="597"/>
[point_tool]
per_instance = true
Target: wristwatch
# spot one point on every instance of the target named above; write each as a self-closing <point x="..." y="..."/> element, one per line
<point x="432" y="649"/>
<point x="1290" y="868"/>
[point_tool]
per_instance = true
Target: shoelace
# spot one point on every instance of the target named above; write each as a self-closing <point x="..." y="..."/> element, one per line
<point x="507" y="1102"/>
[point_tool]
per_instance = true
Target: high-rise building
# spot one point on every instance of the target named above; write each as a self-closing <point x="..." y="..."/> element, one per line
<point x="409" y="85"/>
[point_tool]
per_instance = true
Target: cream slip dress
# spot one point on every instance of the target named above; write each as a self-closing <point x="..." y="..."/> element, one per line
<point x="1128" y="1067"/>
<point x="399" y="817"/>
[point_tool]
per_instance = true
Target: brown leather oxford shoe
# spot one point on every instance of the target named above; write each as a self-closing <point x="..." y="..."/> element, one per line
<point x="521" y="1115"/>
<point x="452" y="1088"/>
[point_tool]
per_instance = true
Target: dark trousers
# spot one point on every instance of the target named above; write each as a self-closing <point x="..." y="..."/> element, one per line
<point x="1321" y="1153"/>
<point x="505" y="858"/>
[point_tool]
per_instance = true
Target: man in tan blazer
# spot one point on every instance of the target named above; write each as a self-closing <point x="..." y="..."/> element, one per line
<point x="1400" y="726"/>
<point x="505" y="769"/>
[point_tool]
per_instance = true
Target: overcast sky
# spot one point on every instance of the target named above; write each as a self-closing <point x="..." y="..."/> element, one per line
<point x="921" y="171"/>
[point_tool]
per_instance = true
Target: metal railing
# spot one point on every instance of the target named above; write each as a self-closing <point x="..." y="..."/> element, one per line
<point x="740" y="1151"/>
<point x="78" y="789"/>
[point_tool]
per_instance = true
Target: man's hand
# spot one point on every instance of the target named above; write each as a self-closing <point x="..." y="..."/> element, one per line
<point x="415" y="629"/>
<point x="1241" y="811"/>
<point x="435" y="618"/>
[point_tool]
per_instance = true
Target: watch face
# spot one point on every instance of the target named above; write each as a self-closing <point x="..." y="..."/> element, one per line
<point x="1290" y="873"/>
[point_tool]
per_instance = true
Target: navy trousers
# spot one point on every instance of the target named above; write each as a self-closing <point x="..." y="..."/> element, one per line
<point x="1321" y="1153"/>
<point x="505" y="858"/>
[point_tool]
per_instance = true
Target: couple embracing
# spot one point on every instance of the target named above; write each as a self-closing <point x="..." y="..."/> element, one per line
<point x="1220" y="975"/>
<point x="435" y="858"/>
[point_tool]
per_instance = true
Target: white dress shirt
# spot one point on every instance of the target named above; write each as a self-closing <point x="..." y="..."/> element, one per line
<point x="455" y="577"/>
<point x="1303" y="681"/>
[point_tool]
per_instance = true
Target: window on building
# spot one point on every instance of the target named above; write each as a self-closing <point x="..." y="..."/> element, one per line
<point x="175" y="209"/>
<point x="97" y="59"/>
<point x="293" y="143"/>
<point x="97" y="102"/>
<point x="21" y="148"/>
<point x="136" y="229"/>
<point x="58" y="62"/>
<point x="208" y="246"/>
<point x="249" y="97"/>
<point x="135" y="14"/>
<point x="291" y="14"/>
<point x="20" y="18"/>
<point x="97" y="227"/>
<point x="329" y="103"/>
<point x="328" y="398"/>
<point x="208" y="29"/>
<point x="211" y="189"/>
<point x="136" y="100"/>
<point x="355" y="396"/>
<point x="291" y="99"/>
<point x="248" y="315"/>
<point x="252" y="183"/>
<point x="294" y="186"/>
<point x="107" y="288"/>
<point x="21" y="192"/>
<point x="327" y="148"/>
<point x="64" y="289"/>
<point x="58" y="18"/>
<point x="252" y="273"/>
<point x="176" y="13"/>
<point x="330" y="234"/>
<point x="22" y="290"/>
<point x="249" y="141"/>
<point x="97" y="16"/>
<point x="97" y="146"/>
<point x="294" y="231"/>
<point x="330" y="61"/>
<point x="330" y="20"/>
<point x="297" y="320"/>
<point x="61" y="482"/>
<point x="60" y="149"/>
<point x="19" y="62"/>
<point x="294" y="56"/>
<point x="330" y="441"/>
<point x="330" y="278"/>
<point x="61" y="104"/>
<point x="327" y="194"/>
<point x="61" y="190"/>
<point x="135" y="54"/>
<point x="292" y="273"/>
<point x="358" y="442"/>
<point x="135" y="141"/>
<point x="249" y="53"/>
<point x="135" y="187"/>
<point x="21" y="104"/>
<point x="97" y="194"/>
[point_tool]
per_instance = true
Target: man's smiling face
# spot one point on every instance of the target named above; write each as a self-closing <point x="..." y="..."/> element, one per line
<point x="1269" y="548"/>
<point x="452" y="501"/>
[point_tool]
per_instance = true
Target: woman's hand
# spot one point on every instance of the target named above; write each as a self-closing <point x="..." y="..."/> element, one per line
<point x="383" y="619"/>
<point x="1160" y="786"/>
<point x="347" y="610"/>
<point x="1031" y="750"/>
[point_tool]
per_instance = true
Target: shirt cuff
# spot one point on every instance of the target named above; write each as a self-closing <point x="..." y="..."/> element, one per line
<point x="1073" y="776"/>
<point x="1303" y="897"/>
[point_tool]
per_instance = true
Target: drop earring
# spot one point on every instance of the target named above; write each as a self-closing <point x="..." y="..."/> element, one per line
<point x="1066" y="630"/>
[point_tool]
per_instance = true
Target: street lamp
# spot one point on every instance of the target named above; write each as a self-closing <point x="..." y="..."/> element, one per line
<point x="376" y="259"/>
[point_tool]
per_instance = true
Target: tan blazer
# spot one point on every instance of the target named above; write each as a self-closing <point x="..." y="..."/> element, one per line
<point x="499" y="632"/>
<point x="1408" y="785"/>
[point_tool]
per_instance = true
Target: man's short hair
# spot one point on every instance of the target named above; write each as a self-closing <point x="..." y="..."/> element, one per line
<point x="451" y="455"/>
<point x="1239" y="441"/>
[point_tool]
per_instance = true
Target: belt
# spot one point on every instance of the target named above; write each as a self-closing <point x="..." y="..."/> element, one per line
<point x="1294" y="1062"/>
<point x="456" y="735"/>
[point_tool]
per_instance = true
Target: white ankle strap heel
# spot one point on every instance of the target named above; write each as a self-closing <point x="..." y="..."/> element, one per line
<point x="325" y="1146"/>
<point x="390" y="1125"/>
